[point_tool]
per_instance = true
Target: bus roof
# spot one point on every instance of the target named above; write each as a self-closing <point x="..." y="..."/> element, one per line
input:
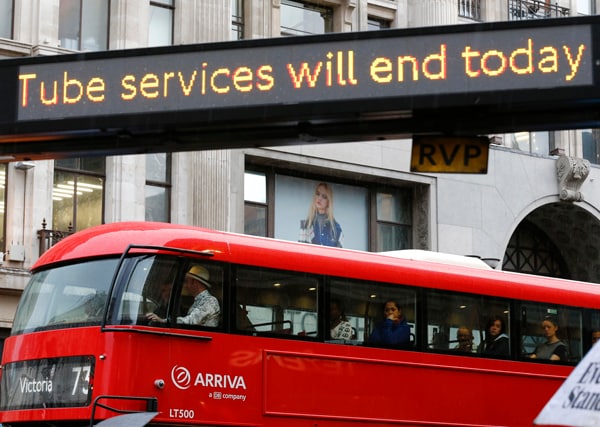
<point x="439" y="257"/>
<point x="417" y="268"/>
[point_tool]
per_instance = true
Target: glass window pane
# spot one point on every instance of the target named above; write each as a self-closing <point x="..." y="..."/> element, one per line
<point x="584" y="7"/>
<point x="458" y="322"/>
<point x="189" y="314"/>
<point x="540" y="143"/>
<point x="393" y="237"/>
<point x="377" y="24"/>
<point x="255" y="187"/>
<point x="299" y="18"/>
<point x="62" y="201"/>
<point x="277" y="302"/>
<point x="157" y="204"/>
<point x="377" y="300"/>
<point x="542" y="323"/>
<point x="148" y="290"/>
<point x="346" y="306"/>
<point x="255" y="220"/>
<point x="69" y="295"/>
<point x="6" y="16"/>
<point x="94" y="26"/>
<point x="590" y="147"/>
<point x="595" y="327"/>
<point x="157" y="167"/>
<point x="70" y="163"/>
<point x="160" y="30"/>
<point x="237" y="19"/>
<point x="92" y="164"/>
<point x="89" y="201"/>
<point x="394" y="207"/>
<point x="68" y="26"/>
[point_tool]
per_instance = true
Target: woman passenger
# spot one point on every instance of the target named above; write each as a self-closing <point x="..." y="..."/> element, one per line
<point x="394" y="329"/>
<point x="496" y="340"/>
<point x="553" y="348"/>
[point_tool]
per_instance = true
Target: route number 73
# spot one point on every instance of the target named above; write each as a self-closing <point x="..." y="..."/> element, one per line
<point x="81" y="371"/>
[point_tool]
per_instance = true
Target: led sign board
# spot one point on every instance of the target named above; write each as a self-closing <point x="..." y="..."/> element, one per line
<point x="399" y="67"/>
<point x="473" y="79"/>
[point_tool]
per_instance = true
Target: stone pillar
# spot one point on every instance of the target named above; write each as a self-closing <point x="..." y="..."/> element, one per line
<point x="202" y="21"/>
<point x="422" y="13"/>
<point x="210" y="189"/>
<point x="125" y="181"/>
<point x="129" y="24"/>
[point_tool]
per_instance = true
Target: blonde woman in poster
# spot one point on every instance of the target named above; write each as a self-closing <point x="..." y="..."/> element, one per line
<point x="320" y="226"/>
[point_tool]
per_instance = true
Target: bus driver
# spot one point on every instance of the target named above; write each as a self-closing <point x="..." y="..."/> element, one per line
<point x="205" y="310"/>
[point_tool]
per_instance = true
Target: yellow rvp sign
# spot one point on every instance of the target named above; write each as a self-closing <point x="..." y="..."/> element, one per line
<point x="449" y="154"/>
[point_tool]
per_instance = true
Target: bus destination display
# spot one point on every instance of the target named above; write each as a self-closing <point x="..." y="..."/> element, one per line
<point x="391" y="67"/>
<point x="47" y="383"/>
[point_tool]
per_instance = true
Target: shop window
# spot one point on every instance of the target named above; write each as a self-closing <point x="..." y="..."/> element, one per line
<point x="160" y="28"/>
<point x="590" y="144"/>
<point x="237" y="19"/>
<point x="533" y="142"/>
<point x="158" y="187"/>
<point x="6" y="19"/>
<point x="78" y="193"/>
<point x="469" y="9"/>
<point x="585" y="7"/>
<point x="394" y="220"/>
<point x="301" y="18"/>
<point x="255" y="204"/>
<point x="328" y="213"/>
<point x="83" y="25"/>
<point x="377" y="23"/>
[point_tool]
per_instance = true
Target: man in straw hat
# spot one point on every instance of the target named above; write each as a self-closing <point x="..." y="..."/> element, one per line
<point x="205" y="310"/>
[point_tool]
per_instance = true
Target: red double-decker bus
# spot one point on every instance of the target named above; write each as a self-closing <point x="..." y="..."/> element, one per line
<point x="290" y="334"/>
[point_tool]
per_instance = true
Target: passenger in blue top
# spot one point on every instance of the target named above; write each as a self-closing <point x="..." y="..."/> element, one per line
<point x="394" y="330"/>
<point x="320" y="227"/>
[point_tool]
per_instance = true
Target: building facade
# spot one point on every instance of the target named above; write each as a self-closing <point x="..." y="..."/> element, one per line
<point x="536" y="210"/>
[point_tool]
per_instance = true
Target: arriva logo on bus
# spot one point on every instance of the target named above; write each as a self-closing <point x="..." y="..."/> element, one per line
<point x="182" y="379"/>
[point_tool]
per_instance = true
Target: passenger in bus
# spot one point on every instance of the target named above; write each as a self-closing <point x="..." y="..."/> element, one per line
<point x="464" y="337"/>
<point x="595" y="337"/>
<point x="496" y="341"/>
<point x="205" y="310"/>
<point x="164" y="296"/>
<point x="320" y="226"/>
<point x="553" y="348"/>
<point x="340" y="327"/>
<point x="394" y="329"/>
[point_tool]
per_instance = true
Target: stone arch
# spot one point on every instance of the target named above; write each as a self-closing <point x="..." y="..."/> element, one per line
<point x="556" y="239"/>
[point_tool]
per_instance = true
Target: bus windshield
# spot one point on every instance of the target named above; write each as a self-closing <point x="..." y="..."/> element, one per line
<point x="67" y="296"/>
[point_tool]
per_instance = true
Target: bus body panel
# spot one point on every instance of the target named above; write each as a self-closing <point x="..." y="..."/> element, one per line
<point x="208" y="377"/>
<point x="261" y="381"/>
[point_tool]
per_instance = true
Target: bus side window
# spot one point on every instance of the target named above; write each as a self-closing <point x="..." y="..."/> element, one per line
<point x="393" y="304"/>
<point x="460" y="323"/>
<point x="276" y="302"/>
<point x="595" y="327"/>
<point x="200" y="302"/>
<point x="542" y="325"/>
<point x="345" y="312"/>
